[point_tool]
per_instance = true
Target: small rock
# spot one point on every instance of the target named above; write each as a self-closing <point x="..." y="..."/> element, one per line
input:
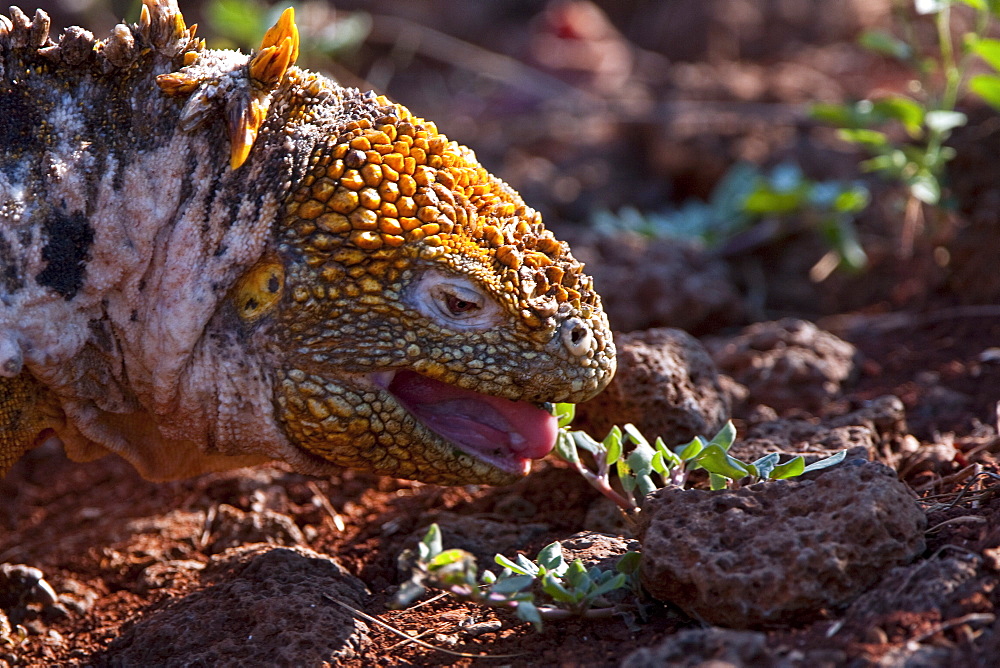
<point x="164" y="573"/>
<point x="666" y="385"/>
<point x="263" y="604"/>
<point x="938" y="585"/>
<point x="233" y="527"/>
<point x="597" y="549"/>
<point x="704" y="648"/>
<point x="779" y="551"/>
<point x="479" y="629"/>
<point x="787" y="364"/>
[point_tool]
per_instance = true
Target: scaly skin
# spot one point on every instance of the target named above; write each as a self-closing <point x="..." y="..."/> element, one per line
<point x="209" y="259"/>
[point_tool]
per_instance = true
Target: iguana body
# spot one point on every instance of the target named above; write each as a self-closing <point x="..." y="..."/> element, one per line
<point x="209" y="259"/>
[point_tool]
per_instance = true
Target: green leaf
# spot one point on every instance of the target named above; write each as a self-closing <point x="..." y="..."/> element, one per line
<point x="764" y="201"/>
<point x="432" y="542"/>
<point x="551" y="557"/>
<point x="629" y="563"/>
<point x="766" y="464"/>
<point x="634" y="434"/>
<point x="645" y="485"/>
<point x="840" y="232"/>
<point x="616" y="582"/>
<point x="841" y="115"/>
<point x="627" y="481"/>
<point x="891" y="163"/>
<point x="715" y="459"/>
<point x="979" y="5"/>
<point x="717" y="482"/>
<point x="564" y="413"/>
<point x="640" y="460"/>
<point x="882" y="42"/>
<point x="827" y="462"/>
<point x="613" y="444"/>
<point x="790" y="469"/>
<point x="659" y="464"/>
<point x="584" y="441"/>
<point x="488" y="577"/>
<point x="670" y="458"/>
<point x="988" y="50"/>
<point x="526" y="611"/>
<point x="902" y="109"/>
<point x="945" y="121"/>
<point x="854" y="199"/>
<point x="447" y="557"/>
<point x="577" y="577"/>
<point x="863" y="136"/>
<point x="512" y="585"/>
<point x="692" y="449"/>
<point x="516" y="568"/>
<point x="726" y="436"/>
<point x="527" y="565"/>
<point x="987" y="86"/>
<point x="565" y="448"/>
<point x="555" y="589"/>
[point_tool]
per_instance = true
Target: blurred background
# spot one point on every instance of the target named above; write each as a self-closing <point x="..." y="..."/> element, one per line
<point x="697" y="153"/>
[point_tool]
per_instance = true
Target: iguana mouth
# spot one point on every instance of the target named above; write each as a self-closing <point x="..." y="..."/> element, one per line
<point x="506" y="434"/>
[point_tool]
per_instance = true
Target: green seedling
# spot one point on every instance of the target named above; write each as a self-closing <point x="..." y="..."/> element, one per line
<point x="548" y="588"/>
<point x="642" y="468"/>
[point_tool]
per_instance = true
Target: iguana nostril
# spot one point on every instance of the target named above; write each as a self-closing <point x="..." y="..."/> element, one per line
<point x="576" y="336"/>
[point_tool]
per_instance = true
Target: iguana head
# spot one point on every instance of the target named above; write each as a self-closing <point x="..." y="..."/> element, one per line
<point x="422" y="312"/>
<point x="416" y="312"/>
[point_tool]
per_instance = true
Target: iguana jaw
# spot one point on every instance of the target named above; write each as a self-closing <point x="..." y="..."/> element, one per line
<point x="503" y="433"/>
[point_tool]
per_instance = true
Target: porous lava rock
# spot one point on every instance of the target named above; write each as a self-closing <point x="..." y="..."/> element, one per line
<point x="779" y="551"/>
<point x="275" y="604"/>
<point x="787" y="364"/>
<point x="875" y="430"/>
<point x="666" y="385"/>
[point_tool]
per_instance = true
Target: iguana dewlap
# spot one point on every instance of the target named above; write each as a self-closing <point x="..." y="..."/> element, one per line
<point x="210" y="259"/>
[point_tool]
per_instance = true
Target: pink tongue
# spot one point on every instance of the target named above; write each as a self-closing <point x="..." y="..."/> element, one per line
<point x="496" y="428"/>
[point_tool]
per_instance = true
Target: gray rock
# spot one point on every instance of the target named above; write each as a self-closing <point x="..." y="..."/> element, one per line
<point x="780" y="551"/>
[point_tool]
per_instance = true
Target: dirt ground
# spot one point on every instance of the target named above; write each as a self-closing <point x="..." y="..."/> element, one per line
<point x="587" y="107"/>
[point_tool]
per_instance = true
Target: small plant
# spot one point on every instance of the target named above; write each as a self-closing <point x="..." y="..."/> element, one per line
<point x="746" y="196"/>
<point x="927" y="115"/>
<point x="547" y="588"/>
<point x="640" y="467"/>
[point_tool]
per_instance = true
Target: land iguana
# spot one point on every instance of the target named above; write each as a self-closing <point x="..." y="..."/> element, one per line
<point x="210" y="259"/>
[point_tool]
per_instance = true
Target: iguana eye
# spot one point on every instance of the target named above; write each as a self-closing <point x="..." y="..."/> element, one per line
<point x="453" y="301"/>
<point x="458" y="306"/>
